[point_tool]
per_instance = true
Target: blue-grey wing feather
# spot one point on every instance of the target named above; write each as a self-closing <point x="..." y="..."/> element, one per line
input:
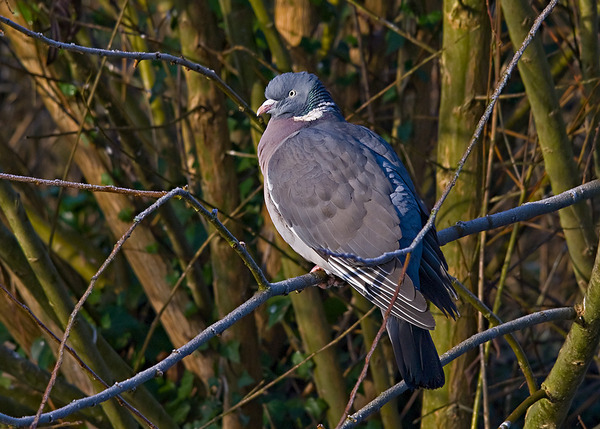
<point x="338" y="195"/>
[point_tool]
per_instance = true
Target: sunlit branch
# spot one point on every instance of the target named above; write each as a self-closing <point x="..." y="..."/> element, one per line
<point x="142" y="56"/>
<point x="565" y="313"/>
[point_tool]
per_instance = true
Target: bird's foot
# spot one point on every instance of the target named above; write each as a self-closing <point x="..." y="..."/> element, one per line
<point x="331" y="279"/>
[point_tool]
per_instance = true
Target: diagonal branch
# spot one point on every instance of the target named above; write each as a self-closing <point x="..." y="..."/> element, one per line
<point x="565" y="313"/>
<point x="521" y="213"/>
<point x="474" y="140"/>
<point x="280" y="288"/>
<point x="267" y="289"/>
<point x="142" y="56"/>
<point x="285" y="287"/>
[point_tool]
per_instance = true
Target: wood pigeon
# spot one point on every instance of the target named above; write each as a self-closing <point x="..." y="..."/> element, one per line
<point x="332" y="187"/>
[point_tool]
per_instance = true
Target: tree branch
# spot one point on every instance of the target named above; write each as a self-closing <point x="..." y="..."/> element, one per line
<point x="280" y="288"/>
<point x="521" y="213"/>
<point x="461" y="229"/>
<point x="141" y="56"/>
<point x="298" y="283"/>
<point x="476" y="135"/>
<point x="565" y="313"/>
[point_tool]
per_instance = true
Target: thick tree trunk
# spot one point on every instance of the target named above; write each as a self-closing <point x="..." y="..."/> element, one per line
<point x="557" y="150"/>
<point x="210" y="135"/>
<point x="464" y="67"/>
<point x="572" y="363"/>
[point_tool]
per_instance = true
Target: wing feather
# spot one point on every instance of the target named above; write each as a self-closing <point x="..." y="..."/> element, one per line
<point x="337" y="195"/>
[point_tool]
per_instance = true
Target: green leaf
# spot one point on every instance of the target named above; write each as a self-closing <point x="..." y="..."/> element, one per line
<point x="190" y="309"/>
<point x="152" y="248"/>
<point x="316" y="407"/>
<point x="373" y="424"/>
<point x="6" y="382"/>
<point x="119" y="326"/>
<point x="186" y="386"/>
<point x="404" y="131"/>
<point x="106" y="179"/>
<point x="210" y="408"/>
<point x="41" y="353"/>
<point x="4" y="334"/>
<point x="231" y="351"/>
<point x="277" y="308"/>
<point x="181" y="412"/>
<point x="431" y="19"/>
<point x="159" y="84"/>
<point x="394" y="42"/>
<point x="67" y="88"/>
<point x="304" y="370"/>
<point x="27" y="9"/>
<point x="351" y="40"/>
<point x="126" y="214"/>
<point x="245" y="380"/>
<point x="334" y="309"/>
<point x="389" y="96"/>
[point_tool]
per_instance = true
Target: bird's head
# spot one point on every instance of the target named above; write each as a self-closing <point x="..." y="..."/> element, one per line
<point x="301" y="96"/>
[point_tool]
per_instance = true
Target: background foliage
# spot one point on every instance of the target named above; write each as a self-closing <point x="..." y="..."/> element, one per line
<point x="418" y="73"/>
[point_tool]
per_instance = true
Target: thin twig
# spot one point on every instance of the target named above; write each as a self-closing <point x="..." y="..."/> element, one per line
<point x="391" y="26"/>
<point x="144" y="56"/>
<point x="210" y="216"/>
<point x="380" y="332"/>
<point x="238" y="246"/>
<point x="494" y="320"/>
<point x="281" y="288"/>
<point x="393" y="84"/>
<point x="79" y="306"/>
<point x="87" y="103"/>
<point x="364" y="73"/>
<point x="474" y="139"/>
<point x="264" y="388"/>
<point x="523" y="407"/>
<point x="75" y="356"/>
<point x="564" y="313"/>
<point x="188" y="268"/>
<point x="83" y="186"/>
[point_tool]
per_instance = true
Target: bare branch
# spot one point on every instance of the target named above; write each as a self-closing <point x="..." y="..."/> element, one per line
<point x="521" y="213"/>
<point x="390" y="25"/>
<point x="565" y="313"/>
<point x="141" y="56"/>
<point x="268" y="290"/>
<point x="75" y="356"/>
<point x="380" y="332"/>
<point x="83" y="186"/>
<point x="461" y="229"/>
<point x="280" y="288"/>
<point x="476" y="135"/>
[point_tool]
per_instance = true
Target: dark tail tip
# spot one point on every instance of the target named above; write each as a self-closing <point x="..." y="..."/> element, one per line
<point x="416" y="356"/>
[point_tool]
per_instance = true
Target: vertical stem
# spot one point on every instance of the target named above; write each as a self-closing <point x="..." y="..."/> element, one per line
<point x="463" y="76"/>
<point x="572" y="362"/>
<point x="209" y="133"/>
<point x="554" y="143"/>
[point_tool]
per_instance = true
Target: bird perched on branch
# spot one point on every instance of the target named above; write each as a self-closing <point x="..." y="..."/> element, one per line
<point x="335" y="188"/>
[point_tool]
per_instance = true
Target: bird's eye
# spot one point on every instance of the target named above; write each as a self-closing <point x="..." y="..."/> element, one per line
<point x="292" y="93"/>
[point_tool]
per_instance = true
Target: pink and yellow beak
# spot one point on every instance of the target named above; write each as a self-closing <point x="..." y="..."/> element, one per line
<point x="265" y="107"/>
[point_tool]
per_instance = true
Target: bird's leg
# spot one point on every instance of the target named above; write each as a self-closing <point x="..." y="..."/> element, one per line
<point x="331" y="279"/>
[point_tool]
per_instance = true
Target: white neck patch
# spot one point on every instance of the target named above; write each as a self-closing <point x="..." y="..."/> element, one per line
<point x="315" y="113"/>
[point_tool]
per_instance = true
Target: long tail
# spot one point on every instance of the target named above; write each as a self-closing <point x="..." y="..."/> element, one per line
<point x="416" y="355"/>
